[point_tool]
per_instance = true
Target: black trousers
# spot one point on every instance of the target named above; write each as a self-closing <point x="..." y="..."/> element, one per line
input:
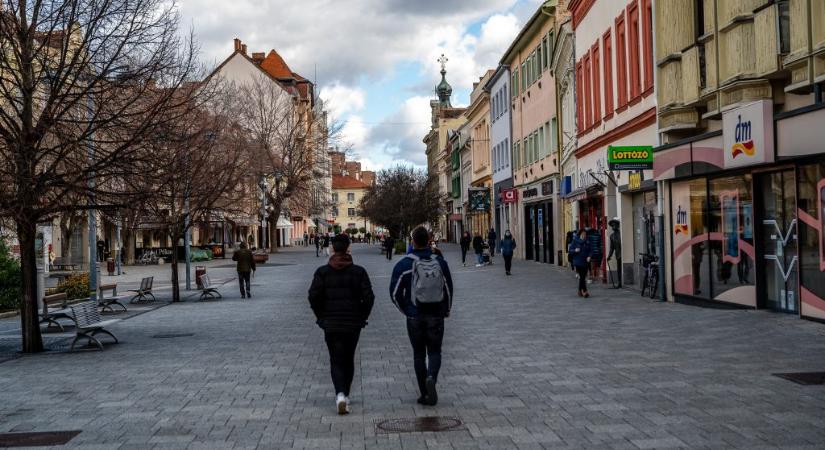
<point x="389" y="253"/>
<point x="243" y="280"/>
<point x="492" y="245"/>
<point x="464" y="255"/>
<point x="508" y="262"/>
<point x="582" y="271"/>
<point x="341" y="346"/>
<point x="426" y="334"/>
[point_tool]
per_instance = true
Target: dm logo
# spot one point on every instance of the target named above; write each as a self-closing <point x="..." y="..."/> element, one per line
<point x="744" y="142"/>
<point x="681" y="221"/>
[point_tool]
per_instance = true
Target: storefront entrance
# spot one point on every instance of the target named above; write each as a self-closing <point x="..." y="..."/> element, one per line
<point x="777" y="241"/>
<point x="538" y="234"/>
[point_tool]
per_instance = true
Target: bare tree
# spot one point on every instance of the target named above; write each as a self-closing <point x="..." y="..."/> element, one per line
<point x="286" y="133"/>
<point x="199" y="169"/>
<point x="77" y="99"/>
<point x="401" y="198"/>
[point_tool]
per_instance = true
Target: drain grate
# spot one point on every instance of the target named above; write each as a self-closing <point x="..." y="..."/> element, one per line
<point x="418" y="424"/>
<point x="172" y="335"/>
<point x="805" y="378"/>
<point x="37" y="439"/>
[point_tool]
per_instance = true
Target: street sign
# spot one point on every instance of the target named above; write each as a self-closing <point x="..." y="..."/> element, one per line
<point x="637" y="157"/>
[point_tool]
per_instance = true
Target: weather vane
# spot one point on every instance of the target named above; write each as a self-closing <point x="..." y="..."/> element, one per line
<point x="443" y="60"/>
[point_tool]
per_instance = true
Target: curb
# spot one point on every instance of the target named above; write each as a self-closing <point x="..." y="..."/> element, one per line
<point x="6" y="315"/>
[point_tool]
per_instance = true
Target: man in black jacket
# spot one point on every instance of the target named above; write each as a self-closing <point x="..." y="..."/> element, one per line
<point x="341" y="297"/>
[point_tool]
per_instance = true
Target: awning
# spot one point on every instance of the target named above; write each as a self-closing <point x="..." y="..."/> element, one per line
<point x="283" y="223"/>
<point x="576" y="195"/>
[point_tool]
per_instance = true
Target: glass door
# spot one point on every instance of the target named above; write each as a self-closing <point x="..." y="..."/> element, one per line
<point x="779" y="287"/>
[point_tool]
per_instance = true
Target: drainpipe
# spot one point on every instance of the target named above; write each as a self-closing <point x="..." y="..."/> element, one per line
<point x="660" y="185"/>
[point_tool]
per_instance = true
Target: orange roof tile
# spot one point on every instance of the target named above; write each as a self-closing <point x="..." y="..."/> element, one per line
<point x="347" y="182"/>
<point x="276" y="66"/>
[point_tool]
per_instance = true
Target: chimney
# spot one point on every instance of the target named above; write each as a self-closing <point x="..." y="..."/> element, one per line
<point x="243" y="49"/>
<point x="237" y="45"/>
<point x="258" y="58"/>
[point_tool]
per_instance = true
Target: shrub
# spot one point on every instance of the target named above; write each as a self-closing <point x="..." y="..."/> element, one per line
<point x="75" y="285"/>
<point x="10" y="279"/>
<point x="362" y="230"/>
<point x="400" y="247"/>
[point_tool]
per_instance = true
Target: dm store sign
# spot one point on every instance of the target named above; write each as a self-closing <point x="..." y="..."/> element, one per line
<point x="748" y="134"/>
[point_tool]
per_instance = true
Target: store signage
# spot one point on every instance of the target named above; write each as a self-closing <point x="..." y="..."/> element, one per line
<point x="634" y="181"/>
<point x="636" y="157"/>
<point x="479" y="199"/>
<point x="748" y="134"/>
<point x="509" y="195"/>
<point x="530" y="193"/>
<point x="681" y="221"/>
<point x="547" y="188"/>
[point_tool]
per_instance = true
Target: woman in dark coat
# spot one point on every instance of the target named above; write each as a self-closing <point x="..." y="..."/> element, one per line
<point x="579" y="249"/>
<point x="478" y="248"/>
<point x="341" y="297"/>
<point x="507" y="248"/>
<point x="465" y="242"/>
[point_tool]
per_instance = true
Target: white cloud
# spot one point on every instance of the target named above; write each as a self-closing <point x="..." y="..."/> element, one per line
<point x="398" y="138"/>
<point x="341" y="100"/>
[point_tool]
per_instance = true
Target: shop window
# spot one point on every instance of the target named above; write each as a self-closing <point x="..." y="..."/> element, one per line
<point x="691" y="252"/>
<point x="730" y="217"/>
<point x="811" y="206"/>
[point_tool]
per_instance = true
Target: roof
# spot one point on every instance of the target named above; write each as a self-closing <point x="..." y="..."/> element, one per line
<point x="274" y="65"/>
<point x="347" y="182"/>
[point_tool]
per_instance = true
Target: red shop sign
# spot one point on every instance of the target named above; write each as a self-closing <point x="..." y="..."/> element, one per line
<point x="509" y="195"/>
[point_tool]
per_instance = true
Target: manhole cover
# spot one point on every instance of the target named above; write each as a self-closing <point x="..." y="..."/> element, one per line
<point x="419" y="424"/>
<point x="37" y="439"/>
<point x="806" y="378"/>
<point x="172" y="335"/>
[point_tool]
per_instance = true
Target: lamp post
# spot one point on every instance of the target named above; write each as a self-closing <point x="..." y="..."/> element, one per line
<point x="263" y="186"/>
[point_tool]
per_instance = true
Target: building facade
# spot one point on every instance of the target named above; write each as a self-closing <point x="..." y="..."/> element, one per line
<point x="741" y="162"/>
<point x="504" y="196"/>
<point x="535" y="163"/>
<point x="478" y="209"/>
<point x="615" y="106"/>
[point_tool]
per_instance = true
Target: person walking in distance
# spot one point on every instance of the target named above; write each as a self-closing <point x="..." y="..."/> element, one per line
<point x="465" y="242"/>
<point x="478" y="248"/>
<point x="325" y="243"/>
<point x="580" y="249"/>
<point x="508" y="245"/>
<point x="422" y="289"/>
<point x="491" y="241"/>
<point x="341" y="297"/>
<point x="389" y="244"/>
<point x="306" y="239"/>
<point x="317" y="241"/>
<point x="245" y="266"/>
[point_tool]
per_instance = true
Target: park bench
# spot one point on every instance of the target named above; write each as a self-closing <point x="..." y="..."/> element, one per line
<point x="144" y="292"/>
<point x="60" y="310"/>
<point x="208" y="290"/>
<point x="88" y="324"/>
<point x="107" y="302"/>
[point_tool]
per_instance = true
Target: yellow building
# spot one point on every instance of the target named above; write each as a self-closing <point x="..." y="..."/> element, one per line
<point x="481" y="175"/>
<point x="347" y="192"/>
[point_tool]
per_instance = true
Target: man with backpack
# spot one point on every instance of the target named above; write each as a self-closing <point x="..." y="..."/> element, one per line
<point x="422" y="289"/>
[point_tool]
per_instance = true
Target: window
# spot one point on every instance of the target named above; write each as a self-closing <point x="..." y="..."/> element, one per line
<point x="647" y="40"/>
<point x="523" y="77"/>
<point x="504" y="91"/>
<point x="579" y="97"/>
<point x="549" y="47"/>
<point x="515" y="83"/>
<point x="633" y="50"/>
<point x="597" y="84"/>
<point x="607" y="61"/>
<point x="554" y="137"/>
<point x="335" y="197"/>
<point x="621" y="62"/>
<point x="588" y="97"/>
<point x="350" y="196"/>
<point x="351" y="212"/>
<point x="516" y="152"/>
<point x="335" y="211"/>
<point x="544" y="54"/>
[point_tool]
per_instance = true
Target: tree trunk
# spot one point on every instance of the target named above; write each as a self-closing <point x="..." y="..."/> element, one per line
<point x="175" y="281"/>
<point x="273" y="230"/>
<point x="29" y="317"/>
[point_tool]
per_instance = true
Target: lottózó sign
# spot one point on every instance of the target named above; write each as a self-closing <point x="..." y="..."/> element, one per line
<point x="637" y="157"/>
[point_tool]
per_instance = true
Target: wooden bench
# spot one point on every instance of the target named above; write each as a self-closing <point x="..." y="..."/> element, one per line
<point x="208" y="290"/>
<point x="88" y="324"/>
<point x="144" y="292"/>
<point x="59" y="310"/>
<point x="106" y="302"/>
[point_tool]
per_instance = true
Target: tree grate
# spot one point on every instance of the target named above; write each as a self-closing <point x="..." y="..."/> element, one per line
<point x="419" y="424"/>
<point x="37" y="439"/>
<point x="804" y="378"/>
<point x="172" y="335"/>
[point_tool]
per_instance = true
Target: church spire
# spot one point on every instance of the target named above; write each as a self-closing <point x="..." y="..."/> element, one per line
<point x="444" y="90"/>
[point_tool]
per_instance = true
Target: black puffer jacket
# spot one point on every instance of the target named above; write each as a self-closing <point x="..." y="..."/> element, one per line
<point x="341" y="295"/>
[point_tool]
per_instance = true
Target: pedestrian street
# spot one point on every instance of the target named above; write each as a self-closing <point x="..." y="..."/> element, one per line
<point x="526" y="364"/>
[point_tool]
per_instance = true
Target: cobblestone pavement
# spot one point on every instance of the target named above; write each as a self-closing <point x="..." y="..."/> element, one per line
<point x="527" y="364"/>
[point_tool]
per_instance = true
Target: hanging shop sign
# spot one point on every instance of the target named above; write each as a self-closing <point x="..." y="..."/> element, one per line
<point x="634" y="181"/>
<point x="635" y="157"/>
<point x="748" y="134"/>
<point x="547" y="188"/>
<point x="479" y="199"/>
<point x="509" y="195"/>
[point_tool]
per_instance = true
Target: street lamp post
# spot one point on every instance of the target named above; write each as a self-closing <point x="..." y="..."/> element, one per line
<point x="90" y="147"/>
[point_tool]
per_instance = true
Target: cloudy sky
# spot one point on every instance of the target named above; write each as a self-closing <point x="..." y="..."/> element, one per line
<point x="375" y="61"/>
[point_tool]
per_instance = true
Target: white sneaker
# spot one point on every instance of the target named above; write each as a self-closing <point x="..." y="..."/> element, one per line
<point x="341" y="403"/>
